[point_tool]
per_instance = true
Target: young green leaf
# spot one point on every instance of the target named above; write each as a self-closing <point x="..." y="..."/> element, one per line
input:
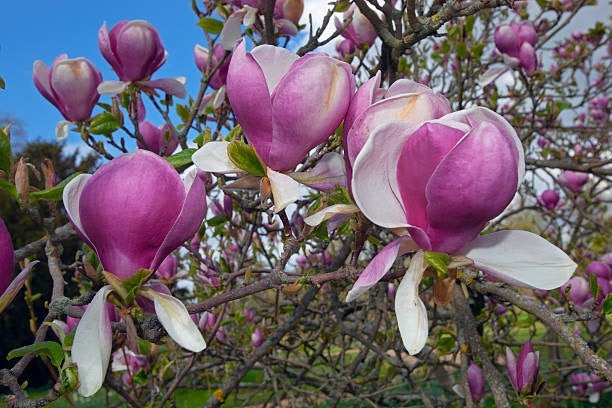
<point x="51" y="349"/>
<point x="245" y="158"/>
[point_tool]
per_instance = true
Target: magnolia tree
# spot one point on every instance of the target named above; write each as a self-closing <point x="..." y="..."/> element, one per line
<point x="408" y="207"/>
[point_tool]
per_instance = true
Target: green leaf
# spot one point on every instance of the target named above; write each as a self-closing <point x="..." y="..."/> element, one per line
<point x="245" y="158"/>
<point x="5" y="152"/>
<point x="53" y="193"/>
<point x="51" y="349"/>
<point x="216" y="220"/>
<point x="9" y="188"/>
<point x="183" y="112"/>
<point x="469" y="24"/>
<point x="607" y="304"/>
<point x="104" y="124"/>
<point x="438" y="261"/>
<point x="446" y="343"/>
<point x="117" y="285"/>
<point x="2" y="83"/>
<point x="462" y="51"/>
<point x="593" y="286"/>
<point x="211" y="25"/>
<point x="342" y="6"/>
<point x="134" y="282"/>
<point x="477" y="50"/>
<point x="181" y="158"/>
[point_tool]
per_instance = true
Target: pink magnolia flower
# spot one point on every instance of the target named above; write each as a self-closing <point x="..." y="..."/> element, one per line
<point x="257" y="338"/>
<point x="579" y="291"/>
<point x="573" y="180"/>
<point x="135" y="51"/>
<point x="134" y="211"/>
<point x="523" y="372"/>
<point x="589" y="384"/>
<point x="300" y="102"/>
<point x="405" y="100"/>
<point x="203" y="58"/>
<point x="71" y="86"/>
<point x="9" y="287"/>
<point x="128" y="361"/>
<point x="438" y="183"/>
<point x="159" y="139"/>
<point x="475" y="382"/>
<point x="516" y="42"/>
<point x="600" y="269"/>
<point x="549" y="199"/>
<point x="360" y="31"/>
<point x="168" y="268"/>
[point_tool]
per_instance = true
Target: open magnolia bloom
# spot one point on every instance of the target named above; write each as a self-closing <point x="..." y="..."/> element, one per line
<point x="437" y="184"/>
<point x="134" y="211"/>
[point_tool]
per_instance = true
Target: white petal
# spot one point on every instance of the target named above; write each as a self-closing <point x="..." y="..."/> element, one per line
<point x="328" y="212"/>
<point x="92" y="344"/>
<point x="521" y="258"/>
<point x="326" y="174"/>
<point x="173" y="315"/>
<point x="379" y="266"/>
<point x="112" y="87"/>
<point x="409" y="309"/>
<point x="71" y="196"/>
<point x="374" y="181"/>
<point x="213" y="157"/>
<point x="219" y="98"/>
<point x="285" y="190"/>
<point x="232" y="30"/>
<point x="61" y="129"/>
<point x="274" y="62"/>
<point x="251" y="14"/>
<point x="594" y="398"/>
<point x="491" y="75"/>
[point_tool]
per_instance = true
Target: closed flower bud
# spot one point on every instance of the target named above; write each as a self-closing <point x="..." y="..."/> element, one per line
<point x="202" y="57"/>
<point x="257" y="338"/>
<point x="70" y="85"/>
<point x="523" y="372"/>
<point x="549" y="199"/>
<point x="475" y="382"/>
<point x="579" y="292"/>
<point x="132" y="48"/>
<point x="516" y="42"/>
<point x="300" y="101"/>
<point x="159" y="140"/>
<point x="573" y="180"/>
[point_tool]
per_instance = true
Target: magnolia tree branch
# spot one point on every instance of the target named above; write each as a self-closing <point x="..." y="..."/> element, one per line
<point x="63" y="233"/>
<point x="554" y="322"/>
<point x="228" y="385"/>
<point x="467" y="325"/>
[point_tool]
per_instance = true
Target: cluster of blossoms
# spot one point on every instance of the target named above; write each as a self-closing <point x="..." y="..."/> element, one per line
<point x="433" y="176"/>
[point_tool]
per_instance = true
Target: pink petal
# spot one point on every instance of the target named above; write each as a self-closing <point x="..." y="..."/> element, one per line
<point x="379" y="266"/>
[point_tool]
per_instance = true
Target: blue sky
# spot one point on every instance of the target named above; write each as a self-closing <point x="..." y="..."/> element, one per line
<point x="44" y="29"/>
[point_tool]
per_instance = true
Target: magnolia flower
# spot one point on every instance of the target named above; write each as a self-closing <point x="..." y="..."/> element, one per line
<point x="475" y="382"/>
<point x="159" y="139"/>
<point x="71" y="86"/>
<point x="9" y="287"/>
<point x="281" y="130"/>
<point x="203" y="59"/>
<point x="589" y="384"/>
<point x="134" y="211"/>
<point x="135" y="51"/>
<point x="600" y="270"/>
<point x="257" y="338"/>
<point x="128" y="361"/>
<point x="549" y="199"/>
<point x="168" y="268"/>
<point x="437" y="184"/>
<point x="360" y="31"/>
<point x="405" y="101"/>
<point x="573" y="180"/>
<point x="579" y="291"/>
<point x="523" y="372"/>
<point x="345" y="48"/>
<point x="516" y="42"/>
